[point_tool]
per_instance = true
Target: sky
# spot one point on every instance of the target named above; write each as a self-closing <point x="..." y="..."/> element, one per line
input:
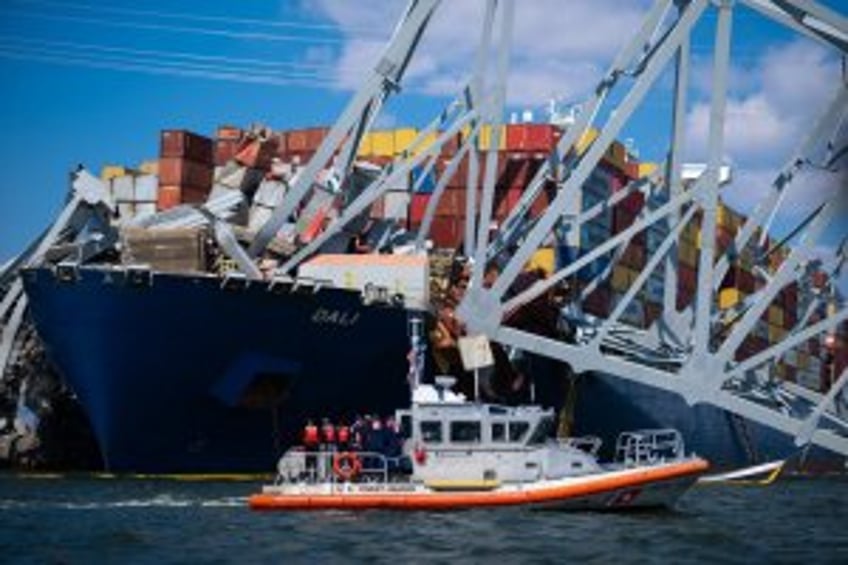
<point x="93" y="82"/>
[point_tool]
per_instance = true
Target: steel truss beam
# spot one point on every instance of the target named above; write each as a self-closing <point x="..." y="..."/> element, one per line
<point x="704" y="374"/>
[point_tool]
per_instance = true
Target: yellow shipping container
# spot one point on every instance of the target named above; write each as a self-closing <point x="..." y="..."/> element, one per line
<point x="404" y="138"/>
<point x="428" y="140"/>
<point x="688" y="253"/>
<point x="728" y="298"/>
<point x="545" y="259"/>
<point x="149" y="167"/>
<point x="383" y="143"/>
<point x="486" y="138"/>
<point x="586" y="139"/>
<point x="622" y="278"/>
<point x="646" y="169"/>
<point x="775" y="316"/>
<point x="776" y="333"/>
<point x="109" y="172"/>
<point x="366" y="145"/>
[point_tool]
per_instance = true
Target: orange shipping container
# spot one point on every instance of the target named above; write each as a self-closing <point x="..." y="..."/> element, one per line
<point x="185" y="144"/>
<point x="177" y="171"/>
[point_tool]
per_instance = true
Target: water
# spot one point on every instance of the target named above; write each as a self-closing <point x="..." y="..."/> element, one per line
<point x="134" y="521"/>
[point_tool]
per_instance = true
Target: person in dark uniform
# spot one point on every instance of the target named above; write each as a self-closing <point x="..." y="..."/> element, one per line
<point x="311" y="442"/>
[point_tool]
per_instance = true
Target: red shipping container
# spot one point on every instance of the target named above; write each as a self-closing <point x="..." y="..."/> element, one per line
<point x="687" y="277"/>
<point x="633" y="204"/>
<point x="305" y="140"/>
<point x="225" y="150"/>
<point x="187" y="145"/>
<point x="622" y="219"/>
<point x="177" y="171"/>
<point x="652" y="313"/>
<point x="256" y="153"/>
<point x="230" y="133"/>
<point x="598" y="302"/>
<point x="452" y="203"/>
<point x="537" y="138"/>
<point x="447" y="232"/>
<point x="168" y="197"/>
<point x="417" y="206"/>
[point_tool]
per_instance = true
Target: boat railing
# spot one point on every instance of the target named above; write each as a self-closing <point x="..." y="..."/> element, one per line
<point x="333" y="466"/>
<point x="648" y="447"/>
<point x="587" y="444"/>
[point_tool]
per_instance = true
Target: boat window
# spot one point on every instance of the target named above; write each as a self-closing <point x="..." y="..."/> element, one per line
<point x="406" y="426"/>
<point x="497" y="410"/>
<point x="431" y="432"/>
<point x="517" y="431"/>
<point x="498" y="431"/>
<point x="543" y="431"/>
<point x="465" y="432"/>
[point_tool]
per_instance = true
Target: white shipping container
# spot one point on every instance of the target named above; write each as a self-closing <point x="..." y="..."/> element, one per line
<point x="146" y="188"/>
<point x="126" y="210"/>
<point x="406" y="275"/>
<point x="258" y="217"/>
<point x="396" y="205"/>
<point x="270" y="193"/>
<point x="144" y="209"/>
<point x="123" y="188"/>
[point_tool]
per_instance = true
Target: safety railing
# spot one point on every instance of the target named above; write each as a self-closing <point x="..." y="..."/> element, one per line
<point x="648" y="447"/>
<point x="332" y="466"/>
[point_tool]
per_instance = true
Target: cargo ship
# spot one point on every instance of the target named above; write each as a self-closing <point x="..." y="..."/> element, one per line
<point x="182" y="366"/>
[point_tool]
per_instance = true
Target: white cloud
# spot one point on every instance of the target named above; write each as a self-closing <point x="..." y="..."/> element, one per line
<point x="558" y="48"/>
<point x="770" y="105"/>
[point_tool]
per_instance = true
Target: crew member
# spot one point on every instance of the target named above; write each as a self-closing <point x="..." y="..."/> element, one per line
<point x="328" y="434"/>
<point x="310" y="444"/>
<point x="343" y="436"/>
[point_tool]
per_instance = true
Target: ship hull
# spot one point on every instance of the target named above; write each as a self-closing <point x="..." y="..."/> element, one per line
<point x="607" y="405"/>
<point x="184" y="374"/>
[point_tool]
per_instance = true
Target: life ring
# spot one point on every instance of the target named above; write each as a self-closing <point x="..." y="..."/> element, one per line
<point x="346" y="465"/>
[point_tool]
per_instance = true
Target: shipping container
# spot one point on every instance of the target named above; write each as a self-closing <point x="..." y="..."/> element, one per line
<point x="177" y="171"/>
<point x="145" y="188"/>
<point x="543" y="258"/>
<point x="167" y="250"/>
<point x="383" y="143"/>
<point x="182" y="144"/>
<point x="123" y="188"/>
<point x="532" y="138"/>
<point x="417" y="207"/>
<point x="447" y="232"/>
<point x="225" y="150"/>
<point x="396" y="205"/>
<point x="598" y="302"/>
<point x="728" y="298"/>
<point x="304" y="141"/>
<point x="403" y="138"/>
<point x="109" y="172"/>
<point x="231" y="133"/>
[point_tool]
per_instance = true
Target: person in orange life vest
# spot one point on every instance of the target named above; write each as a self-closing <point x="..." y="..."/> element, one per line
<point x="310" y="436"/>
<point x="310" y="444"/>
<point x="343" y="436"/>
<point x="328" y="434"/>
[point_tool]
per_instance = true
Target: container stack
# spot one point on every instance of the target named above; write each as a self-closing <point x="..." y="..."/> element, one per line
<point x="133" y="191"/>
<point x="186" y="166"/>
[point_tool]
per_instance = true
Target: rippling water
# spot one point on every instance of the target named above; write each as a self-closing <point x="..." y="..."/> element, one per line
<point x="98" y="521"/>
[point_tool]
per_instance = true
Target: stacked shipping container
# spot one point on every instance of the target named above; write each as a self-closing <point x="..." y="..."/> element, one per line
<point x="186" y="165"/>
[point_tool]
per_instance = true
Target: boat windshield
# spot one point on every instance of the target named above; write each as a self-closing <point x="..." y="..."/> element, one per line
<point x="544" y="430"/>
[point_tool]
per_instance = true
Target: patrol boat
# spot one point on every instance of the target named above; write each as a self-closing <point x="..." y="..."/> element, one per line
<point x="461" y="454"/>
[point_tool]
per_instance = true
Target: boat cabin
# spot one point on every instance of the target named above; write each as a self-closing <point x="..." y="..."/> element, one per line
<point x="451" y="439"/>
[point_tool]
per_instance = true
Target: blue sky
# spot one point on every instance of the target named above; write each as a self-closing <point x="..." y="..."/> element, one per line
<point x="94" y="82"/>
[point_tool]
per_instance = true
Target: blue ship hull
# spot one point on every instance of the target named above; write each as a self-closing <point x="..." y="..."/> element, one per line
<point x="183" y="376"/>
<point x="608" y="405"/>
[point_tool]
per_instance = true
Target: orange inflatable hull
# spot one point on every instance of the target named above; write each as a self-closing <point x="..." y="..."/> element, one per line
<point x="661" y="484"/>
